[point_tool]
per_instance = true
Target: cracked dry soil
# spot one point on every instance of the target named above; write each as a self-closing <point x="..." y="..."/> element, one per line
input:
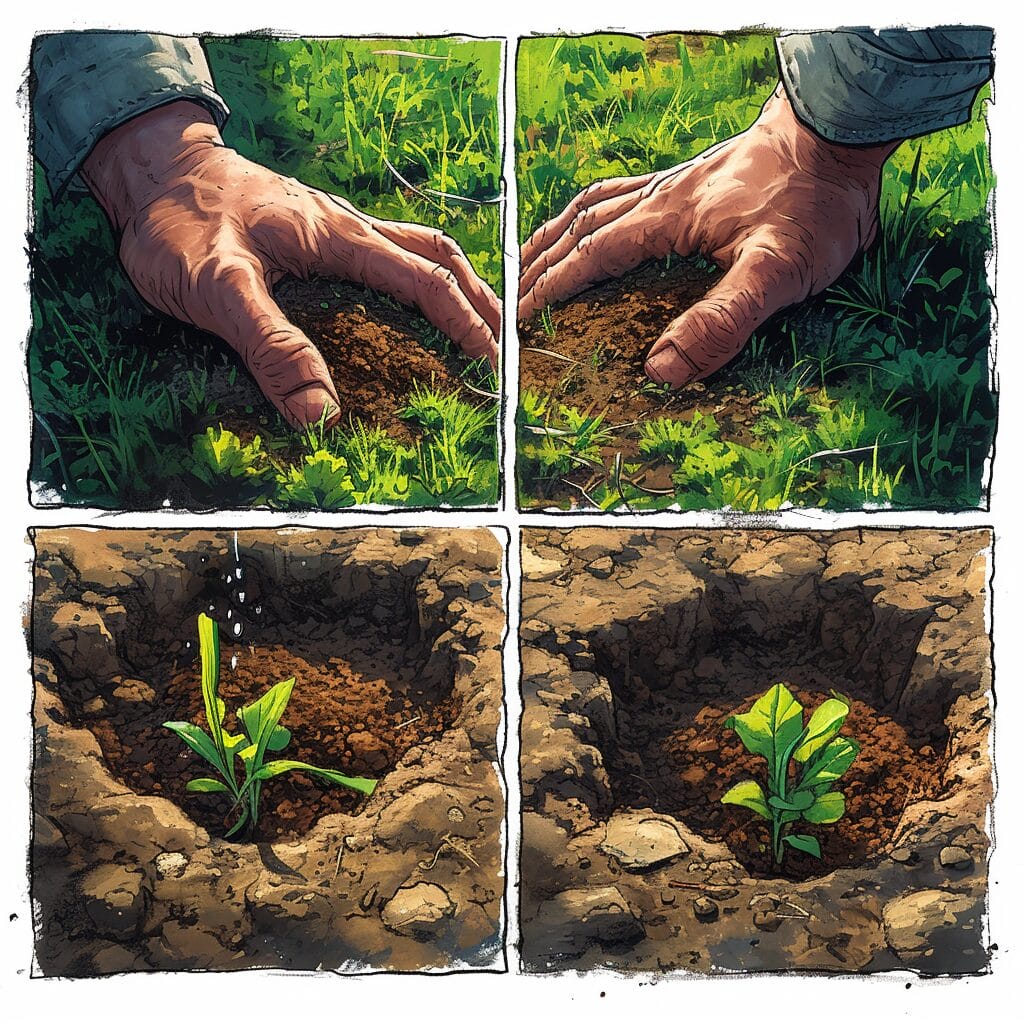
<point x="636" y="647"/>
<point x="394" y="639"/>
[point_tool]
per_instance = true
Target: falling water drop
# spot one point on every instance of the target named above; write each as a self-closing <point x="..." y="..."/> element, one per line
<point x="259" y="609"/>
<point x="229" y="613"/>
<point x="237" y="629"/>
<point x="234" y="661"/>
<point x="241" y="597"/>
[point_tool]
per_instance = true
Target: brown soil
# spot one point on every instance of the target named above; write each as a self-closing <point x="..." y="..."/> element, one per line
<point x="339" y="718"/>
<point x="605" y="333"/>
<point x="373" y="347"/>
<point x="689" y="767"/>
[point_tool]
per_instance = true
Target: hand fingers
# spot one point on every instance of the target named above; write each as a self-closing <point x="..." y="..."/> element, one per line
<point x="437" y="247"/>
<point x="715" y="329"/>
<point x="550" y="232"/>
<point x="229" y="297"/>
<point x="641" y="233"/>
<point x="364" y="254"/>
<point x="585" y="223"/>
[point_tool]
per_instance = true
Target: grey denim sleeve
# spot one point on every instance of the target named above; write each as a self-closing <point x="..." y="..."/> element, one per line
<point x="84" y="84"/>
<point x="859" y="86"/>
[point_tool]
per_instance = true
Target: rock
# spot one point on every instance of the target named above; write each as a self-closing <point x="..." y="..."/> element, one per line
<point x="902" y="855"/>
<point x="766" y="916"/>
<point x="135" y="691"/>
<point x="421" y="816"/>
<point x="639" y="842"/>
<point x="369" y="750"/>
<point x="602" y="568"/>
<point x="114" y="899"/>
<point x="540" y="570"/>
<point x="956" y="858"/>
<point x="171" y="865"/>
<point x="705" y="908"/>
<point x="575" y="919"/>
<point x="932" y="928"/>
<point x="418" y="910"/>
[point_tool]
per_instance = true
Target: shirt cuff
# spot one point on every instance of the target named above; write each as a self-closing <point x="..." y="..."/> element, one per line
<point x="861" y="87"/>
<point x="85" y="84"/>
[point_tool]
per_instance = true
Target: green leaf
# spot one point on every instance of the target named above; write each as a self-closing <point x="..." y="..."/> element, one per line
<point x="242" y="819"/>
<point x="750" y="795"/>
<point x="195" y="738"/>
<point x="206" y="786"/>
<point x="261" y="717"/>
<point x="826" y="721"/>
<point x="798" y="801"/>
<point x="805" y="844"/>
<point x="209" y="657"/>
<point x="231" y="742"/>
<point x="771" y="726"/>
<point x="273" y="768"/>
<point x="279" y="739"/>
<point x="830" y="762"/>
<point x="826" y="809"/>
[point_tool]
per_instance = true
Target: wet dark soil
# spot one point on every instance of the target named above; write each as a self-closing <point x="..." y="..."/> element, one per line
<point x="356" y="722"/>
<point x="374" y="349"/>
<point x="594" y="360"/>
<point x="690" y="760"/>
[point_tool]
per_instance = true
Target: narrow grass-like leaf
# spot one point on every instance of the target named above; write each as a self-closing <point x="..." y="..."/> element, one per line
<point x="274" y="768"/>
<point x="195" y="738"/>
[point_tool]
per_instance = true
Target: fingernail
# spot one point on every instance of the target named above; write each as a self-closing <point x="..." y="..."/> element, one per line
<point x="305" y="407"/>
<point x="665" y="367"/>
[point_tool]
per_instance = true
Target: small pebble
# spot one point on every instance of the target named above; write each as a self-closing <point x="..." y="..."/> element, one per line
<point x="956" y="858"/>
<point x="705" y="908"/>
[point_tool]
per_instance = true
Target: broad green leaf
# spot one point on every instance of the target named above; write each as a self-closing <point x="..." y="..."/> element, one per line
<point x="273" y="768"/>
<point x="750" y="795"/>
<point x="206" y="786"/>
<point x="198" y="741"/>
<point x="771" y="726"/>
<point x="261" y="717"/>
<point x="826" y="721"/>
<point x="830" y="762"/>
<point x="248" y="753"/>
<point x="798" y="801"/>
<point x="279" y="739"/>
<point x="805" y="844"/>
<point x="826" y="809"/>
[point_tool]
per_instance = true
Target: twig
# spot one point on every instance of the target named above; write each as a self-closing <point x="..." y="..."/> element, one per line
<point x="459" y="847"/>
<point x="410" y="53"/>
<point x="554" y="355"/>
<point x="480" y="391"/>
<point x="337" y="866"/>
<point x="411" y="720"/>
<point x="409" y="185"/>
<point x="709" y="887"/>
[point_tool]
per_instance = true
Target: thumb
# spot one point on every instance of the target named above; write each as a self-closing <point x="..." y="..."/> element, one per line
<point x="232" y="300"/>
<point x="712" y="331"/>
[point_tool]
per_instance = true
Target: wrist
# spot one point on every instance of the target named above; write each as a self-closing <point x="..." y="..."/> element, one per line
<point x="818" y="155"/>
<point x="141" y="159"/>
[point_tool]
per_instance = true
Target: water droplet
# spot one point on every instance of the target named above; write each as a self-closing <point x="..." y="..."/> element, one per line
<point x="211" y="607"/>
<point x="241" y="597"/>
<point x="234" y="661"/>
<point x="238" y="572"/>
<point x="229" y="613"/>
<point x="227" y="579"/>
<point x="259" y="609"/>
<point x="237" y="630"/>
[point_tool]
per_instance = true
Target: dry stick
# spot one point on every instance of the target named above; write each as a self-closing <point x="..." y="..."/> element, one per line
<point x="448" y="840"/>
<point x="480" y="391"/>
<point x="554" y="355"/>
<point x="402" y="725"/>
<point x="709" y="887"/>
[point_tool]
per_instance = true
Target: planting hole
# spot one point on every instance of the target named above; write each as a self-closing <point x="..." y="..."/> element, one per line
<point x="671" y="752"/>
<point x="354" y="636"/>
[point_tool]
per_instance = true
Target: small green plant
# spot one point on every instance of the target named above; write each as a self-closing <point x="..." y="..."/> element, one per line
<point x="804" y="762"/>
<point x="224" y="464"/>
<point x="261" y="734"/>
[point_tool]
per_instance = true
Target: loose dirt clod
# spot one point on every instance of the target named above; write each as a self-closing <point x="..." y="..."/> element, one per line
<point x="373" y="347"/>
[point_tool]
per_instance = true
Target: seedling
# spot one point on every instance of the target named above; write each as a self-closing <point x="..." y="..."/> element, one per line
<point x="804" y="762"/>
<point x="261" y="734"/>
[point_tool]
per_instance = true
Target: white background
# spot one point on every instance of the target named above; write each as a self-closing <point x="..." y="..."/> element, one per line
<point x="260" y="996"/>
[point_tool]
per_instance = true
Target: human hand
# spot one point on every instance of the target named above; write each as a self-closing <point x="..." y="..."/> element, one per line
<point x="205" y="234"/>
<point x="782" y="210"/>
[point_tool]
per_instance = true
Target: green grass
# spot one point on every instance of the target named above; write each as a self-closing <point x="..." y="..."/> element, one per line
<point x="332" y="113"/>
<point x="898" y="347"/>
